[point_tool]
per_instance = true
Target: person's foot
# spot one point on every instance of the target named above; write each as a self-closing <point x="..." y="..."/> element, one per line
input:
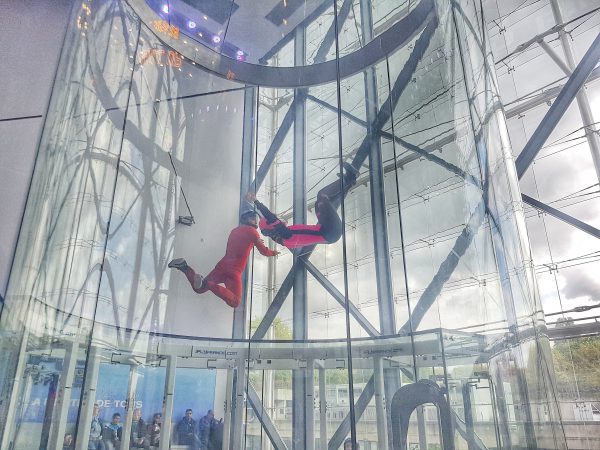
<point x="179" y="264"/>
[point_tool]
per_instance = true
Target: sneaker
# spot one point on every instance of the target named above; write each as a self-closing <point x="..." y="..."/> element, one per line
<point x="179" y="264"/>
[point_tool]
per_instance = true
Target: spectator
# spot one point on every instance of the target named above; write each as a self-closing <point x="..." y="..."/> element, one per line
<point x="348" y="445"/>
<point x="96" y="429"/>
<point x="68" y="442"/>
<point x="113" y="433"/>
<point x="139" y="438"/>
<point x="204" y="427"/>
<point x="154" y="430"/>
<point x="215" y="441"/>
<point x="186" y="429"/>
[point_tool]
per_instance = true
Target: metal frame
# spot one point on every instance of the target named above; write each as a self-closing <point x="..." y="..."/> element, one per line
<point x="296" y="77"/>
<point x="559" y="107"/>
<point x="580" y="225"/>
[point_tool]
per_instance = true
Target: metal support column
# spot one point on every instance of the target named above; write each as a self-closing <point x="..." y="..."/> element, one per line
<point x="468" y="410"/>
<point x="310" y="405"/>
<point x="129" y="406"/>
<point x="322" y="410"/>
<point x="228" y="409"/>
<point x="239" y="314"/>
<point x="300" y="437"/>
<point x="385" y="291"/>
<point x="558" y="108"/>
<point x="583" y="102"/>
<point x="380" y="407"/>
<point x="165" y="434"/>
<point x="88" y="398"/>
<point x="63" y="398"/>
<point x="238" y="427"/>
<point x="250" y="99"/>
<point x="422" y="427"/>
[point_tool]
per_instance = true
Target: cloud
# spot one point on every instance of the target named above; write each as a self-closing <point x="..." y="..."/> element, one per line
<point x="581" y="284"/>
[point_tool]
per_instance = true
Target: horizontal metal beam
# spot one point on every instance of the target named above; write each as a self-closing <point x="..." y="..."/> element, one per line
<point x="586" y="228"/>
<point x="339" y="297"/>
<point x="559" y="107"/>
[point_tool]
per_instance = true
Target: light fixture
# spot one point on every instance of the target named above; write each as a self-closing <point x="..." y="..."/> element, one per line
<point x="239" y="53"/>
<point x="216" y="39"/>
<point x="165" y="8"/>
<point x="191" y="24"/>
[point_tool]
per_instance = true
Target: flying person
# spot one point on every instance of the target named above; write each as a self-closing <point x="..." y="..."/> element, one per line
<point x="229" y="269"/>
<point x="328" y="228"/>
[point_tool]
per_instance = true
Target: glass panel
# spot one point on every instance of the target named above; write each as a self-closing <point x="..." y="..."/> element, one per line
<point x="145" y="284"/>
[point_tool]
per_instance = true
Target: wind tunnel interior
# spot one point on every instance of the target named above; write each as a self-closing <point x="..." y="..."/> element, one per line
<point x="163" y="116"/>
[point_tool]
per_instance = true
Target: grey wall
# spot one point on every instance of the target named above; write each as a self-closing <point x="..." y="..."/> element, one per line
<point x="31" y="34"/>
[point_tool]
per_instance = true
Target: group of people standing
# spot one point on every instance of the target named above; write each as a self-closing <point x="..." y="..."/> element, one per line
<point x="207" y="434"/>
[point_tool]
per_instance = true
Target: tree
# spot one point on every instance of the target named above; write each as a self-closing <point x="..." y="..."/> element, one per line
<point x="578" y="361"/>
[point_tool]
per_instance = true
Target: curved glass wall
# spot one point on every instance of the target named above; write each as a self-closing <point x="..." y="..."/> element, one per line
<point x="153" y="139"/>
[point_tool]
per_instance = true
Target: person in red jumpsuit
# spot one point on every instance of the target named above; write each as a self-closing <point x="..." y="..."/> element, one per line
<point x="229" y="269"/>
<point x="328" y="228"/>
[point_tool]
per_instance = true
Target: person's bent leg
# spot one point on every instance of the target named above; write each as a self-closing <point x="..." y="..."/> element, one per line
<point x="331" y="224"/>
<point x="231" y="293"/>
<point x="334" y="190"/>
<point x="196" y="281"/>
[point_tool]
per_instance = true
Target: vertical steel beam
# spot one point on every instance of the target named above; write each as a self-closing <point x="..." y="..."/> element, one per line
<point x="239" y="314"/>
<point x="300" y="436"/>
<point x="248" y="131"/>
<point x="378" y="212"/>
<point x="385" y="292"/>
<point x="228" y="410"/>
<point x="165" y="434"/>
<point x="468" y="410"/>
<point x="583" y="102"/>
<point x="322" y="410"/>
<point x="380" y="409"/>
<point x="63" y="399"/>
<point x="238" y="427"/>
<point x="130" y="406"/>
<point x="88" y="397"/>
<point x="310" y="404"/>
<point x="422" y="427"/>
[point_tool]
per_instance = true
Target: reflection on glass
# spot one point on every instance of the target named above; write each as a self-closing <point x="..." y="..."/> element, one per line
<point x="387" y="195"/>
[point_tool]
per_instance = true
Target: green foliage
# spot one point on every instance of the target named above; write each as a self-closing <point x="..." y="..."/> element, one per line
<point x="578" y="360"/>
<point x="281" y="331"/>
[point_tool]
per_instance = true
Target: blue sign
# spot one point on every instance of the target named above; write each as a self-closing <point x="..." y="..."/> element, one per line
<point x="194" y="389"/>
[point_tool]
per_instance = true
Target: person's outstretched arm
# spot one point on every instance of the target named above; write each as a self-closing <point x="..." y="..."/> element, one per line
<point x="261" y="247"/>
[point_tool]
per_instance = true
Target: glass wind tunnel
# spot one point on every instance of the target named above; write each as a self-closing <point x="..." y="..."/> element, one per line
<point x="163" y="116"/>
